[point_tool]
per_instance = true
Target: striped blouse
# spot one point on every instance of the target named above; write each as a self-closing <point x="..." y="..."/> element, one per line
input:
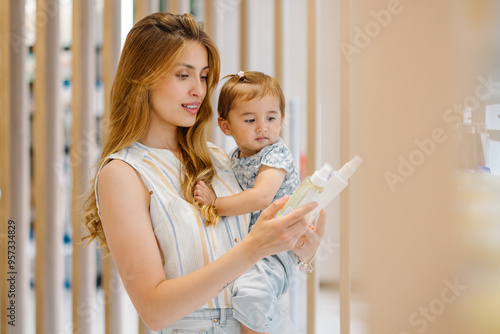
<point x="185" y="242"/>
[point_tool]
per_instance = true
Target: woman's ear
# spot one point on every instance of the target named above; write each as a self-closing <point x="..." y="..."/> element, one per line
<point x="224" y="126"/>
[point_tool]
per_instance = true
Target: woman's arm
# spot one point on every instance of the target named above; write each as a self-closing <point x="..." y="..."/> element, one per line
<point x="267" y="184"/>
<point x="124" y="209"/>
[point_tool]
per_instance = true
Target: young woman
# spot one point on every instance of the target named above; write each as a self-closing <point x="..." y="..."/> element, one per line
<point x="176" y="267"/>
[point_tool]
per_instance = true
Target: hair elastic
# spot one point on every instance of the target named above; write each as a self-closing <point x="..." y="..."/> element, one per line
<point x="241" y="74"/>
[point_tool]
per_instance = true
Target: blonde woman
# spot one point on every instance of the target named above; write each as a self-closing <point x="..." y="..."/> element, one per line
<point x="176" y="266"/>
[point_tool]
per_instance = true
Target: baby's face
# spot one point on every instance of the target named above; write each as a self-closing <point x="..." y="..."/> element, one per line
<point x="254" y="124"/>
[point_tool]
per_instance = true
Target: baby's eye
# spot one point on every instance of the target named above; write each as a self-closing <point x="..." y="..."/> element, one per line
<point x="250" y="120"/>
<point x="271" y="118"/>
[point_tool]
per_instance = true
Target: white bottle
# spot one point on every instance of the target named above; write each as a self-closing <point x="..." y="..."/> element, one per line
<point x="318" y="189"/>
<point x="337" y="182"/>
<point x="308" y="191"/>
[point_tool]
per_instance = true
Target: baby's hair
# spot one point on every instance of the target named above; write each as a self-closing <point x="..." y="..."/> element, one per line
<point x="246" y="86"/>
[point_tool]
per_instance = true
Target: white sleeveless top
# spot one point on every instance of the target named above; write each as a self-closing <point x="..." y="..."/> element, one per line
<point x="185" y="242"/>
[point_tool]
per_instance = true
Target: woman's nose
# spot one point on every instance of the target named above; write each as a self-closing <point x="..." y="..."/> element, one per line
<point x="198" y="88"/>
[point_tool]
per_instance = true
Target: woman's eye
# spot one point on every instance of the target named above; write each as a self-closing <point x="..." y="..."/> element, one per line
<point x="204" y="77"/>
<point x="182" y="76"/>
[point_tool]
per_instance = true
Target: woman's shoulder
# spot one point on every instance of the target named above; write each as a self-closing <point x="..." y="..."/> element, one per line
<point x="117" y="170"/>
<point x="121" y="166"/>
<point x="119" y="180"/>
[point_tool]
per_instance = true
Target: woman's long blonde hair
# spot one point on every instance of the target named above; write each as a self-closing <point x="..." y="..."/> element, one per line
<point x="151" y="50"/>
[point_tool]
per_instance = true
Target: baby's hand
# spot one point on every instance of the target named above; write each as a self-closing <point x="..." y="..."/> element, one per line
<point x="203" y="194"/>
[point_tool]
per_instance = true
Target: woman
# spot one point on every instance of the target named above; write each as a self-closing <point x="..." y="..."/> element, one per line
<point x="174" y="265"/>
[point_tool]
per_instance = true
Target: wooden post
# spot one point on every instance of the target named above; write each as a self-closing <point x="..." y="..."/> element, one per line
<point x="110" y="57"/>
<point x="345" y="155"/>
<point x="312" y="144"/>
<point x="83" y="156"/>
<point x="48" y="157"/>
<point x="5" y="107"/>
<point x="146" y="7"/>
<point x="178" y="6"/>
<point x="243" y="35"/>
<point x="279" y="41"/>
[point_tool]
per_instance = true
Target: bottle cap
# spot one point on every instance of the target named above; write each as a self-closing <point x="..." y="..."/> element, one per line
<point x="350" y="167"/>
<point x="321" y="175"/>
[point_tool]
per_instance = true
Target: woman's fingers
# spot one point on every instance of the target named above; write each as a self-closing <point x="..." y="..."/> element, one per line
<point x="320" y="225"/>
<point x="312" y="238"/>
<point x="272" y="210"/>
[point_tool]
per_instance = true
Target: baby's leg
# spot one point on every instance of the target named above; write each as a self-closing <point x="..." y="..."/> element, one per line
<point x="246" y="330"/>
<point x="255" y="295"/>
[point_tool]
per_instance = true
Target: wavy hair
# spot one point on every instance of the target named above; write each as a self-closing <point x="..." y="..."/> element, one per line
<point x="151" y="50"/>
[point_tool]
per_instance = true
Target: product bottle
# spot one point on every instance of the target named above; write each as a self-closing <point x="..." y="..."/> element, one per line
<point x="309" y="190"/>
<point x="337" y="182"/>
<point x="318" y="189"/>
<point x="473" y="143"/>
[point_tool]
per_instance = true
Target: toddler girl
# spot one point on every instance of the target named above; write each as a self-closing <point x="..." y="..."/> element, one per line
<point x="251" y="108"/>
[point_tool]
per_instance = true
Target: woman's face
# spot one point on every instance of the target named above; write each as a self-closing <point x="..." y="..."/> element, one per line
<point x="176" y="100"/>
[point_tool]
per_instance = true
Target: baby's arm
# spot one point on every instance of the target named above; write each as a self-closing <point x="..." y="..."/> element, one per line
<point x="259" y="197"/>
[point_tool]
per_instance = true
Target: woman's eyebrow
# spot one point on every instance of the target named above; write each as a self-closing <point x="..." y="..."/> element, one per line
<point x="191" y="66"/>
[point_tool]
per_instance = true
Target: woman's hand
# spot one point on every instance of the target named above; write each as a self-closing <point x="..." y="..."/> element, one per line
<point x="275" y="235"/>
<point x="308" y="244"/>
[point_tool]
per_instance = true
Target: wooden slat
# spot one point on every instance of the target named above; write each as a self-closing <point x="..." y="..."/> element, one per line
<point x="20" y="209"/>
<point x="83" y="150"/>
<point x="243" y="35"/>
<point x="110" y="50"/>
<point x="208" y="19"/>
<point x="145" y="7"/>
<point x="178" y="6"/>
<point x="312" y="144"/>
<point x="5" y="107"/>
<point x="110" y="57"/>
<point x="345" y="155"/>
<point x="279" y="41"/>
<point x="48" y="157"/>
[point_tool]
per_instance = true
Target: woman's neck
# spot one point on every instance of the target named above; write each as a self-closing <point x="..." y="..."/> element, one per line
<point x="165" y="140"/>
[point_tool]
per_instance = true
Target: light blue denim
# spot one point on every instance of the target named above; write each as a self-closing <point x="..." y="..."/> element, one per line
<point x="259" y="299"/>
<point x="206" y="321"/>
